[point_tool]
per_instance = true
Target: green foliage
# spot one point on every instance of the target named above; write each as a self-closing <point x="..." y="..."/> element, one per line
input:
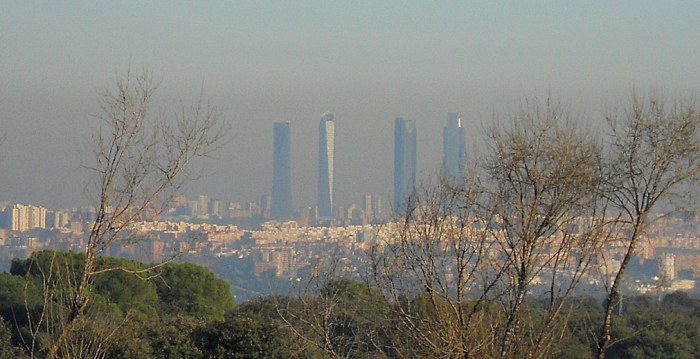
<point x="667" y="329"/>
<point x="360" y="306"/>
<point x="169" y="337"/>
<point x="353" y="291"/>
<point x="7" y="347"/>
<point x="120" y="285"/>
<point x="173" y="337"/>
<point x="237" y="335"/>
<point x="346" y="319"/>
<point x="197" y="317"/>
<point x="194" y="290"/>
<point x="19" y="297"/>
<point x="581" y="335"/>
<point x="241" y="335"/>
<point x="123" y="304"/>
<point x="264" y="307"/>
<point x="680" y="302"/>
<point x="124" y="290"/>
<point x="52" y="267"/>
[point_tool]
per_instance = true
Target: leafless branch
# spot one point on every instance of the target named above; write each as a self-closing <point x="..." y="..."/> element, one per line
<point x="653" y="165"/>
<point x="140" y="162"/>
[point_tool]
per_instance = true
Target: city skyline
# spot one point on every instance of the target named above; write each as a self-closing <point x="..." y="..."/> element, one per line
<point x="281" y="193"/>
<point x="265" y="62"/>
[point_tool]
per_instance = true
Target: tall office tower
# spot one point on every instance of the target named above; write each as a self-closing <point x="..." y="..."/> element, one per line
<point x="326" y="157"/>
<point x="377" y="207"/>
<point x="281" y="181"/>
<point x="264" y="202"/>
<point x="203" y="206"/>
<point x="404" y="163"/>
<point x="372" y="207"/>
<point x="19" y="218"/>
<point x="368" y="205"/>
<point x="454" y="149"/>
<point x="217" y="209"/>
<point x="36" y="217"/>
<point x="61" y="219"/>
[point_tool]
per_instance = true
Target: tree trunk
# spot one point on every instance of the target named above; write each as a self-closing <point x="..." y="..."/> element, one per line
<point x="605" y="339"/>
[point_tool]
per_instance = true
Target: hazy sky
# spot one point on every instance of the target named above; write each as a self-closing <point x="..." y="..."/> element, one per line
<point x="366" y="61"/>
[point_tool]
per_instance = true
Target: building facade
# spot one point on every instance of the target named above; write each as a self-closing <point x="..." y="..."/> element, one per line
<point x="326" y="165"/>
<point x="22" y="218"/>
<point x="281" y="206"/>
<point x="404" y="163"/>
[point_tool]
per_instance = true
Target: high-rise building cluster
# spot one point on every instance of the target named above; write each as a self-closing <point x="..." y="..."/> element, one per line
<point x="278" y="205"/>
<point x="371" y="206"/>
<point x="454" y="157"/>
<point x="22" y="218"/>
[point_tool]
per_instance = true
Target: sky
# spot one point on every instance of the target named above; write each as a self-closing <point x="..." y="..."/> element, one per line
<point x="368" y="62"/>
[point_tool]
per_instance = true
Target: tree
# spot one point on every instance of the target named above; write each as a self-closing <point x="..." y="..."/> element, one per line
<point x="20" y="300"/>
<point x="440" y="251"/>
<point x="193" y="289"/>
<point x="244" y="335"/>
<point x="653" y="329"/>
<point x="653" y="164"/>
<point x="122" y="291"/>
<point x="334" y="317"/>
<point x="119" y="321"/>
<point x="542" y="175"/>
<point x="140" y="162"/>
<point x="7" y="348"/>
<point x="526" y="223"/>
<point x="356" y="324"/>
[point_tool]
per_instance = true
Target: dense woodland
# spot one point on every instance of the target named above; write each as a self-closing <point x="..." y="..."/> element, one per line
<point x="181" y="310"/>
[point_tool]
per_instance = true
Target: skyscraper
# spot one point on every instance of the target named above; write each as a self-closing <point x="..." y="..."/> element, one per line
<point x="281" y="181"/>
<point x="326" y="164"/>
<point x="454" y="149"/>
<point x="202" y="207"/>
<point x="404" y="163"/>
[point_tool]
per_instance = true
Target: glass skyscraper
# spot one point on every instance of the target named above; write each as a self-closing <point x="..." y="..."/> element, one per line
<point x="404" y="163"/>
<point x="326" y="164"/>
<point x="454" y="149"/>
<point x="281" y="177"/>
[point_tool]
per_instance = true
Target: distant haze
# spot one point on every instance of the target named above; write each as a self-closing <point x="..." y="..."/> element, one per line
<point x="367" y="62"/>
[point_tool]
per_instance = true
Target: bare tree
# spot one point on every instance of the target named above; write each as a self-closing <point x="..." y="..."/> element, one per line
<point x="434" y="266"/>
<point x="543" y="172"/>
<point x="140" y="162"/>
<point x="334" y="317"/>
<point x="526" y="223"/>
<point x="653" y="165"/>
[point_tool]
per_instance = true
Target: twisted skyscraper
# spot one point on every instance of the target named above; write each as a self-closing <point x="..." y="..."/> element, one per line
<point x="326" y="164"/>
